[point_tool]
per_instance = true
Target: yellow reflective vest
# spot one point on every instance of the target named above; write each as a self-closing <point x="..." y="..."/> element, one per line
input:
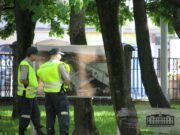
<point x="31" y="89"/>
<point x="49" y="74"/>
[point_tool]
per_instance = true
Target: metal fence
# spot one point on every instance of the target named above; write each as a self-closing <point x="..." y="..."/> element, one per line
<point x="174" y="78"/>
<point x="6" y="75"/>
<point x="137" y="88"/>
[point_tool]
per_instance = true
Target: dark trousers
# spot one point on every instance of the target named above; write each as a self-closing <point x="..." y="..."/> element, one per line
<point x="57" y="105"/>
<point x="28" y="111"/>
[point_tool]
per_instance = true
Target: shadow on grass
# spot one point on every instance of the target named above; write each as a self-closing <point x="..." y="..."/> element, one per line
<point x="104" y="117"/>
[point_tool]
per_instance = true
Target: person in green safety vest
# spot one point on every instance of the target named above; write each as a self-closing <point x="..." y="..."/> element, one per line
<point x="55" y="76"/>
<point x="27" y="91"/>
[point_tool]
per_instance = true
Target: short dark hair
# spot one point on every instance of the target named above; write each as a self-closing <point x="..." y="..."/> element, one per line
<point x="31" y="50"/>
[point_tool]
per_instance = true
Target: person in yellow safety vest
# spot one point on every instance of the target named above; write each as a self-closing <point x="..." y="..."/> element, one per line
<point x="54" y="76"/>
<point x="27" y="91"/>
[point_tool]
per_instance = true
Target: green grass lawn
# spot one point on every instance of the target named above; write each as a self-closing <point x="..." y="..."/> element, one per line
<point x="104" y="117"/>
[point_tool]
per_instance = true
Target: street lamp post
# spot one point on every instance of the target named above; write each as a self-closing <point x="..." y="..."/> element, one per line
<point x="164" y="58"/>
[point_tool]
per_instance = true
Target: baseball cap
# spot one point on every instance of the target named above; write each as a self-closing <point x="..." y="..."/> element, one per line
<point x="54" y="51"/>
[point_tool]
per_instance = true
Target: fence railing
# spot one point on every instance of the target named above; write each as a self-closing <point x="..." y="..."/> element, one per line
<point x="137" y="88"/>
<point x="6" y="75"/>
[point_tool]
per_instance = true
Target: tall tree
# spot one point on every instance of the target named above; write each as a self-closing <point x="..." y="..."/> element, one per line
<point x="149" y="78"/>
<point x="176" y="16"/>
<point x="169" y="10"/>
<point x="83" y="108"/>
<point x="77" y="27"/>
<point x="25" y="35"/>
<point x="124" y="108"/>
<point x="2" y="3"/>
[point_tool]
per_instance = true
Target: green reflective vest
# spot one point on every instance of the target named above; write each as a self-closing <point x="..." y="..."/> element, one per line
<point x="49" y="74"/>
<point x="31" y="89"/>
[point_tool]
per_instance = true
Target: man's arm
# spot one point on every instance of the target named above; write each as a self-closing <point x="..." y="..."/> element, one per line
<point x="24" y="75"/>
<point x="64" y="74"/>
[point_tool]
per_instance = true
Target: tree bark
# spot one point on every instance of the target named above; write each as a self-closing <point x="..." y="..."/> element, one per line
<point x="15" y="112"/>
<point x="24" y="29"/>
<point x="25" y="35"/>
<point x="128" y="49"/>
<point x="84" y="117"/>
<point x="149" y="78"/>
<point x="77" y="27"/>
<point x="175" y="2"/>
<point x="125" y="112"/>
<point x="83" y="108"/>
<point x="176" y="18"/>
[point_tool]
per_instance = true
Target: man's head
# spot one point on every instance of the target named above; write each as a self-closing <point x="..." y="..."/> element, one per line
<point x="56" y="53"/>
<point x="31" y="53"/>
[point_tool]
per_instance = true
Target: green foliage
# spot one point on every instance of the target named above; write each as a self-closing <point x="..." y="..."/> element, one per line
<point x="56" y="29"/>
<point x="79" y="4"/>
<point x="25" y="4"/>
<point x="125" y="13"/>
<point x="8" y="20"/>
<point x="157" y="9"/>
<point x="37" y="10"/>
<point x="56" y="13"/>
<point x="35" y="6"/>
<point x="8" y="17"/>
<point x="7" y="30"/>
<point x="92" y="16"/>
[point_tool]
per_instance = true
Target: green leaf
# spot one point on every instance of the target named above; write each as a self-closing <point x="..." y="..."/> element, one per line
<point x="38" y="11"/>
<point x="161" y="9"/>
<point x="24" y="4"/>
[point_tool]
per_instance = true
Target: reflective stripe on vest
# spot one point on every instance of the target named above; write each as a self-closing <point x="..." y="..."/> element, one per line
<point x="31" y="90"/>
<point x="52" y="85"/>
<point x="21" y="87"/>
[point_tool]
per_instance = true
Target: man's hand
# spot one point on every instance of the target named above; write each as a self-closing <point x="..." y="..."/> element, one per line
<point x="25" y="83"/>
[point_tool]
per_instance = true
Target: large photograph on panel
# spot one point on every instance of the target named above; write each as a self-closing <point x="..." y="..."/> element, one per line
<point x="89" y="73"/>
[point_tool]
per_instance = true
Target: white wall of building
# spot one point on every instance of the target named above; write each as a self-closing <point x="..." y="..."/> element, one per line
<point x="93" y="38"/>
<point x="174" y="48"/>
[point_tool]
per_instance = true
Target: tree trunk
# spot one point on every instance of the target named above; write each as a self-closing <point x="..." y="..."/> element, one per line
<point x="125" y="112"/>
<point x="176" y="19"/>
<point x="84" y="117"/>
<point x="149" y="78"/>
<point x="77" y="27"/>
<point x="24" y="29"/>
<point x="25" y="35"/>
<point x="15" y="112"/>
<point x="83" y="108"/>
<point x="175" y="2"/>
<point x="2" y="3"/>
<point x="128" y="56"/>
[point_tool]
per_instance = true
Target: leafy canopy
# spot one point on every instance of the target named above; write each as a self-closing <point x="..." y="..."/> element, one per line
<point x="164" y="9"/>
<point x="57" y="14"/>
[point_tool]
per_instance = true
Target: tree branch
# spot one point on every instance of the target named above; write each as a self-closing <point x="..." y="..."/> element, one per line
<point x="7" y="8"/>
